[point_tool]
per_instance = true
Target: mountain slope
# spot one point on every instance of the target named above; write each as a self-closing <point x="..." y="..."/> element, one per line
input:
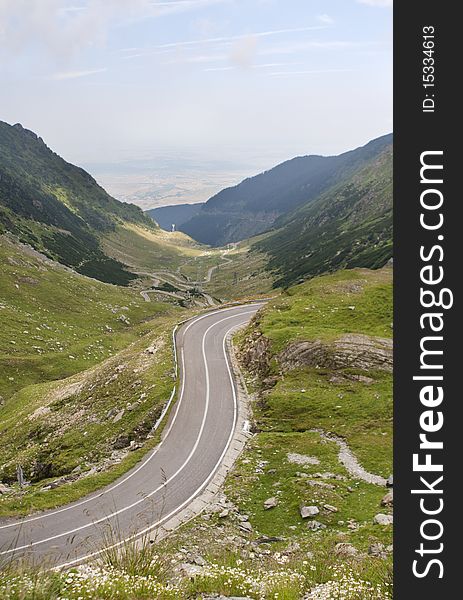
<point x="348" y="226"/>
<point x="177" y="214"/>
<point x="255" y="204"/>
<point x="57" y="207"/>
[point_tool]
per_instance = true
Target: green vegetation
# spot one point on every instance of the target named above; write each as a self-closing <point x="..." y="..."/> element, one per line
<point x="56" y="322"/>
<point x="261" y="202"/>
<point x="226" y="274"/>
<point x="350" y="402"/>
<point x="86" y="368"/>
<point x="352" y="301"/>
<point x="292" y="458"/>
<point x="349" y="225"/>
<point x="80" y="429"/>
<point x="157" y="580"/>
<point x="265" y="471"/>
<point x="241" y="274"/>
<point x="73" y="350"/>
<point x="312" y="398"/>
<point x="141" y="248"/>
<point x="57" y="207"/>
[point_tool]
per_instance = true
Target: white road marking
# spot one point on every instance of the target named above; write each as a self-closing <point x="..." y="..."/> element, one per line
<point x="146" y="460"/>
<point x="107" y="517"/>
<point x="188" y="500"/>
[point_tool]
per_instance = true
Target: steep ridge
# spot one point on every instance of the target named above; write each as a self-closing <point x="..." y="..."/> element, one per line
<point x="348" y="226"/>
<point x="59" y="208"/>
<point x="257" y="203"/>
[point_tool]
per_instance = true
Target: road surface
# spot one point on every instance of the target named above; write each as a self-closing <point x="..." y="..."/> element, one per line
<point x="194" y="442"/>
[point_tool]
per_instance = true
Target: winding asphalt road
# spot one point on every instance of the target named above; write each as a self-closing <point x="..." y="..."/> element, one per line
<point x="195" y="439"/>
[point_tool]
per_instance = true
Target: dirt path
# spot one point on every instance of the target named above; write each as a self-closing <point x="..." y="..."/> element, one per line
<point x="348" y="459"/>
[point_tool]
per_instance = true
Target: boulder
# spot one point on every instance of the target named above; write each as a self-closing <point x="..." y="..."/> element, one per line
<point x="345" y="549"/>
<point x="388" y="499"/>
<point x="5" y="489"/>
<point x="119" y="416"/>
<point x="270" y="503"/>
<point x="377" y="550"/>
<point x="315" y="525"/>
<point x="309" y="511"/>
<point x="381" y="519"/>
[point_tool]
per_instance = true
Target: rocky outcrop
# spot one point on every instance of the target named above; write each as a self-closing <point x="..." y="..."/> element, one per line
<point x="255" y="354"/>
<point x="356" y="351"/>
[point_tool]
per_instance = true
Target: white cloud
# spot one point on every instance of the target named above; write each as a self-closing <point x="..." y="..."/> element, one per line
<point x="309" y="72"/>
<point x="139" y="52"/>
<point x="59" y="30"/>
<point x="210" y="69"/>
<point x="177" y="6"/>
<point x="76" y="74"/>
<point x="387" y="3"/>
<point x="287" y="48"/>
<point x="63" y="28"/>
<point x="326" y="19"/>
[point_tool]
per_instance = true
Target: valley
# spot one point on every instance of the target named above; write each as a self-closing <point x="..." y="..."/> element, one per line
<point x="95" y="362"/>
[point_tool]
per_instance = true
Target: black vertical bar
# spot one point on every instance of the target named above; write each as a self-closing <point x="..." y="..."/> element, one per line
<point x="415" y="132"/>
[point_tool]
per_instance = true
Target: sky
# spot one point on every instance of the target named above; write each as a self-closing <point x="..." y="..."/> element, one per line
<point x="104" y="81"/>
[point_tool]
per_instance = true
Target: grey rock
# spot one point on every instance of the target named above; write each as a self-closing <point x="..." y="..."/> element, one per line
<point x="390" y="481"/>
<point x="309" y="511"/>
<point x="5" y="489"/>
<point x="345" y="549"/>
<point x="315" y="525"/>
<point x="189" y="570"/>
<point x="246" y="526"/>
<point x="112" y="412"/>
<point x="388" y="499"/>
<point x="119" y="416"/>
<point x="377" y="550"/>
<point x="381" y="519"/>
<point x="266" y="539"/>
<point x="270" y="503"/>
<point x="197" y="559"/>
<point x="352" y="350"/>
<point x="330" y="508"/>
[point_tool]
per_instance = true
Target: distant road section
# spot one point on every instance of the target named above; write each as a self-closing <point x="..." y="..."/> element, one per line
<point x="195" y="439"/>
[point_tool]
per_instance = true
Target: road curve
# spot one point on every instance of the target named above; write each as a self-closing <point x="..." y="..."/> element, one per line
<point x="195" y="439"/>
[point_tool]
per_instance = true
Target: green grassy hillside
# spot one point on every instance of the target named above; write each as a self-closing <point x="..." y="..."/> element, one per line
<point x="302" y="407"/>
<point x="57" y="207"/>
<point x="71" y="350"/>
<point x="348" y="226"/>
<point x="352" y="302"/>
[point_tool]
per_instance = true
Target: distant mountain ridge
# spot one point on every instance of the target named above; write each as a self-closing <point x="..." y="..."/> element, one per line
<point x="259" y="203"/>
<point x="348" y="226"/>
<point x="59" y="208"/>
<point x="176" y="214"/>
